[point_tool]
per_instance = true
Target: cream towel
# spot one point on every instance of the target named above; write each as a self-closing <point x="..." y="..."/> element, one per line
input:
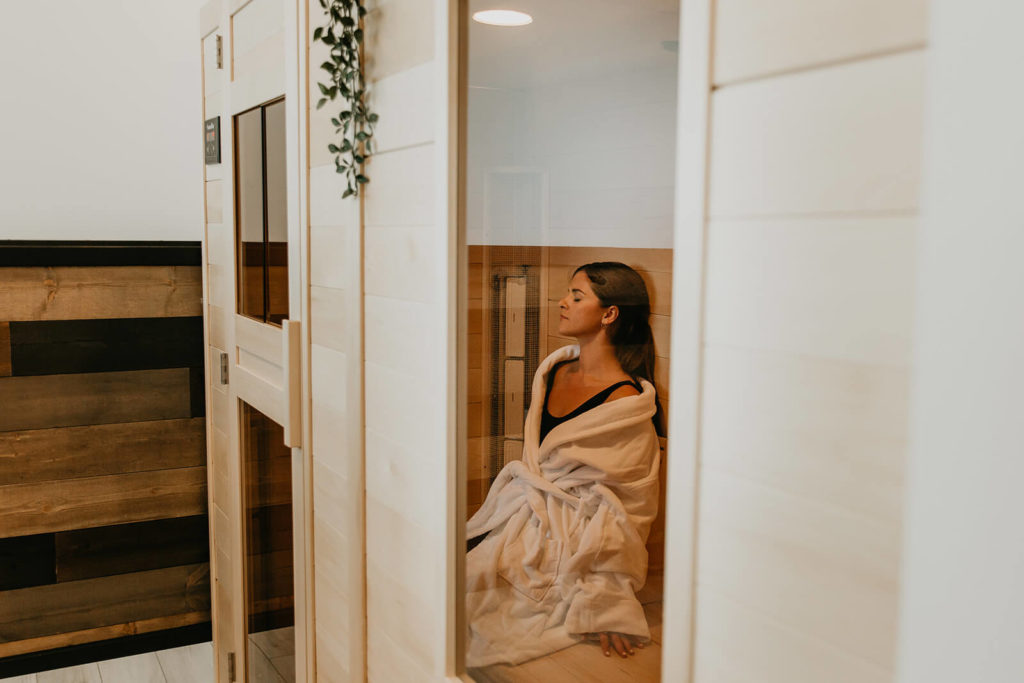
<point x="566" y="531"/>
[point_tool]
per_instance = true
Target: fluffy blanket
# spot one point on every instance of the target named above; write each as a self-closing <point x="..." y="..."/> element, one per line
<point x="566" y="531"/>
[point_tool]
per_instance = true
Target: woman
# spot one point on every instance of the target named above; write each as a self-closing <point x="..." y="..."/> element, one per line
<point x="566" y="526"/>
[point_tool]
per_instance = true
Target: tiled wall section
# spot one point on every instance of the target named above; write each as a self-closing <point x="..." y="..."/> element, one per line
<point x="815" y="159"/>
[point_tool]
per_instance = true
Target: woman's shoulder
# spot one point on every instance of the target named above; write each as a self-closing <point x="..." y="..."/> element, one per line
<point x="624" y="391"/>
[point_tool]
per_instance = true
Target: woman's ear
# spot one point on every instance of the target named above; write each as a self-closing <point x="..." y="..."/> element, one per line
<point x="610" y="316"/>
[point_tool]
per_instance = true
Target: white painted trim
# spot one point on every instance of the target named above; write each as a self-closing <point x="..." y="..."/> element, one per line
<point x="685" y="381"/>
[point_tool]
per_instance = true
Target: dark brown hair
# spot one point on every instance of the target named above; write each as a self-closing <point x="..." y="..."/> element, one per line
<point x="616" y="284"/>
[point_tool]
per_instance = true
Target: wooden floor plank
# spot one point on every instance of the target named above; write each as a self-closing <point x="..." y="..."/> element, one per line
<point x="101" y="501"/>
<point x="191" y="664"/>
<point x="97" y="398"/>
<point x="93" y="450"/>
<point x="144" y="668"/>
<point x="83" y="673"/>
<point x="31" y="613"/>
<point x="76" y="293"/>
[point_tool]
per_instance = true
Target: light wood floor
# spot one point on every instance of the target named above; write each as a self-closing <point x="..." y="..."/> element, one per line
<point x="271" y="661"/>
<point x="584" y="662"/>
<point x="192" y="664"/>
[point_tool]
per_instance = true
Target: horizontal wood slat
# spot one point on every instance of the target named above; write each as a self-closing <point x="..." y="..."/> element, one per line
<point x="73" y="293"/>
<point x="5" y="349"/>
<point x="67" y="607"/>
<point x="93" y="635"/>
<point x="127" y="548"/>
<point x="53" y="347"/>
<point x="27" y="561"/>
<point x="655" y="260"/>
<point x="100" y="501"/>
<point x="97" y="398"/>
<point x="72" y="452"/>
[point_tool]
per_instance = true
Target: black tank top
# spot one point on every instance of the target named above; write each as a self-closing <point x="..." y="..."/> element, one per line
<point x="549" y="421"/>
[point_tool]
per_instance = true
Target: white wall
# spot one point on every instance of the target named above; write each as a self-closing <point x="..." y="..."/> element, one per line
<point x="581" y="151"/>
<point x="963" y="575"/>
<point x="101" y="136"/>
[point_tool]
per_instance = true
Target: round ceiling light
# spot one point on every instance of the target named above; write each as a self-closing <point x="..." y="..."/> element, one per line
<point x="502" y="17"/>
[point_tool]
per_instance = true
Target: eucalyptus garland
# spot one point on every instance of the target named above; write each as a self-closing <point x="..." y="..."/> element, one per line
<point x="343" y="34"/>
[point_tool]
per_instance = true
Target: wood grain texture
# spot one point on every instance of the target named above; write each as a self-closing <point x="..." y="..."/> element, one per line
<point x="97" y="398"/>
<point x="753" y="38"/>
<point x="26" y="561"/>
<point x="127" y="548"/>
<point x="775" y="142"/>
<point x="54" y="347"/>
<point x="92" y="635"/>
<point x="73" y="293"/>
<point x="71" y="452"/>
<point x="100" y="501"/>
<point x="115" y="601"/>
<point x="5" y="349"/>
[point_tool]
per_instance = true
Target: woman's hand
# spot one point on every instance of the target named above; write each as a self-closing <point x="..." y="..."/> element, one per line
<point x="623" y="644"/>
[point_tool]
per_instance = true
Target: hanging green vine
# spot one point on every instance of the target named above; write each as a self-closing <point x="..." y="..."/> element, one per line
<point x="343" y="35"/>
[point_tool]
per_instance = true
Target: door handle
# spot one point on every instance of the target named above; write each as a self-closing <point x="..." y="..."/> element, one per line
<point x="291" y="362"/>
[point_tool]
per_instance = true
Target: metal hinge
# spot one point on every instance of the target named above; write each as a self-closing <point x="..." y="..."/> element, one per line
<point x="223" y="368"/>
<point x="220" y="53"/>
<point x="231" y="666"/>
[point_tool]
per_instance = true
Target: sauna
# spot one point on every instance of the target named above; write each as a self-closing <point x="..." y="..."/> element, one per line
<point x="371" y="359"/>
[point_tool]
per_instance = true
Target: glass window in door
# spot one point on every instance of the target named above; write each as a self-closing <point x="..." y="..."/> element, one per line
<point x="261" y="213"/>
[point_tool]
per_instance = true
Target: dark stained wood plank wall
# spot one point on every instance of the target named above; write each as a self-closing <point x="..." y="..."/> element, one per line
<point x="103" y="524"/>
<point x="99" y="501"/>
<point x="73" y="293"/>
<point x="47" y="401"/>
<point x="41" y="455"/>
<point x="5" y="349"/>
<point x="102" y="602"/>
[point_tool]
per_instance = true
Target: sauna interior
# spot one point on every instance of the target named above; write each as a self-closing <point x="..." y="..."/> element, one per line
<point x="570" y="150"/>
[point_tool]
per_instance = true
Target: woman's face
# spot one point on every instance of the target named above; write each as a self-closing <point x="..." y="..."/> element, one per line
<point x="581" y="312"/>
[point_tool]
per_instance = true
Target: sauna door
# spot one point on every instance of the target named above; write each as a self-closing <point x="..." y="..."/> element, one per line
<point x="255" y="331"/>
<point x="264" y="373"/>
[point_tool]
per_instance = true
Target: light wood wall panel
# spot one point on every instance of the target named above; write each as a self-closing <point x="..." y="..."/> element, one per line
<point x="809" y="143"/>
<point x="819" y="569"/>
<point x="401" y="252"/>
<point x="814" y="173"/>
<point x="214" y="201"/>
<point x="754" y="39"/>
<point x="95" y="398"/>
<point x="75" y="293"/>
<point x="399" y="36"/>
<point x="773" y="652"/>
<point x="823" y="430"/>
<point x="840" y="288"/>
